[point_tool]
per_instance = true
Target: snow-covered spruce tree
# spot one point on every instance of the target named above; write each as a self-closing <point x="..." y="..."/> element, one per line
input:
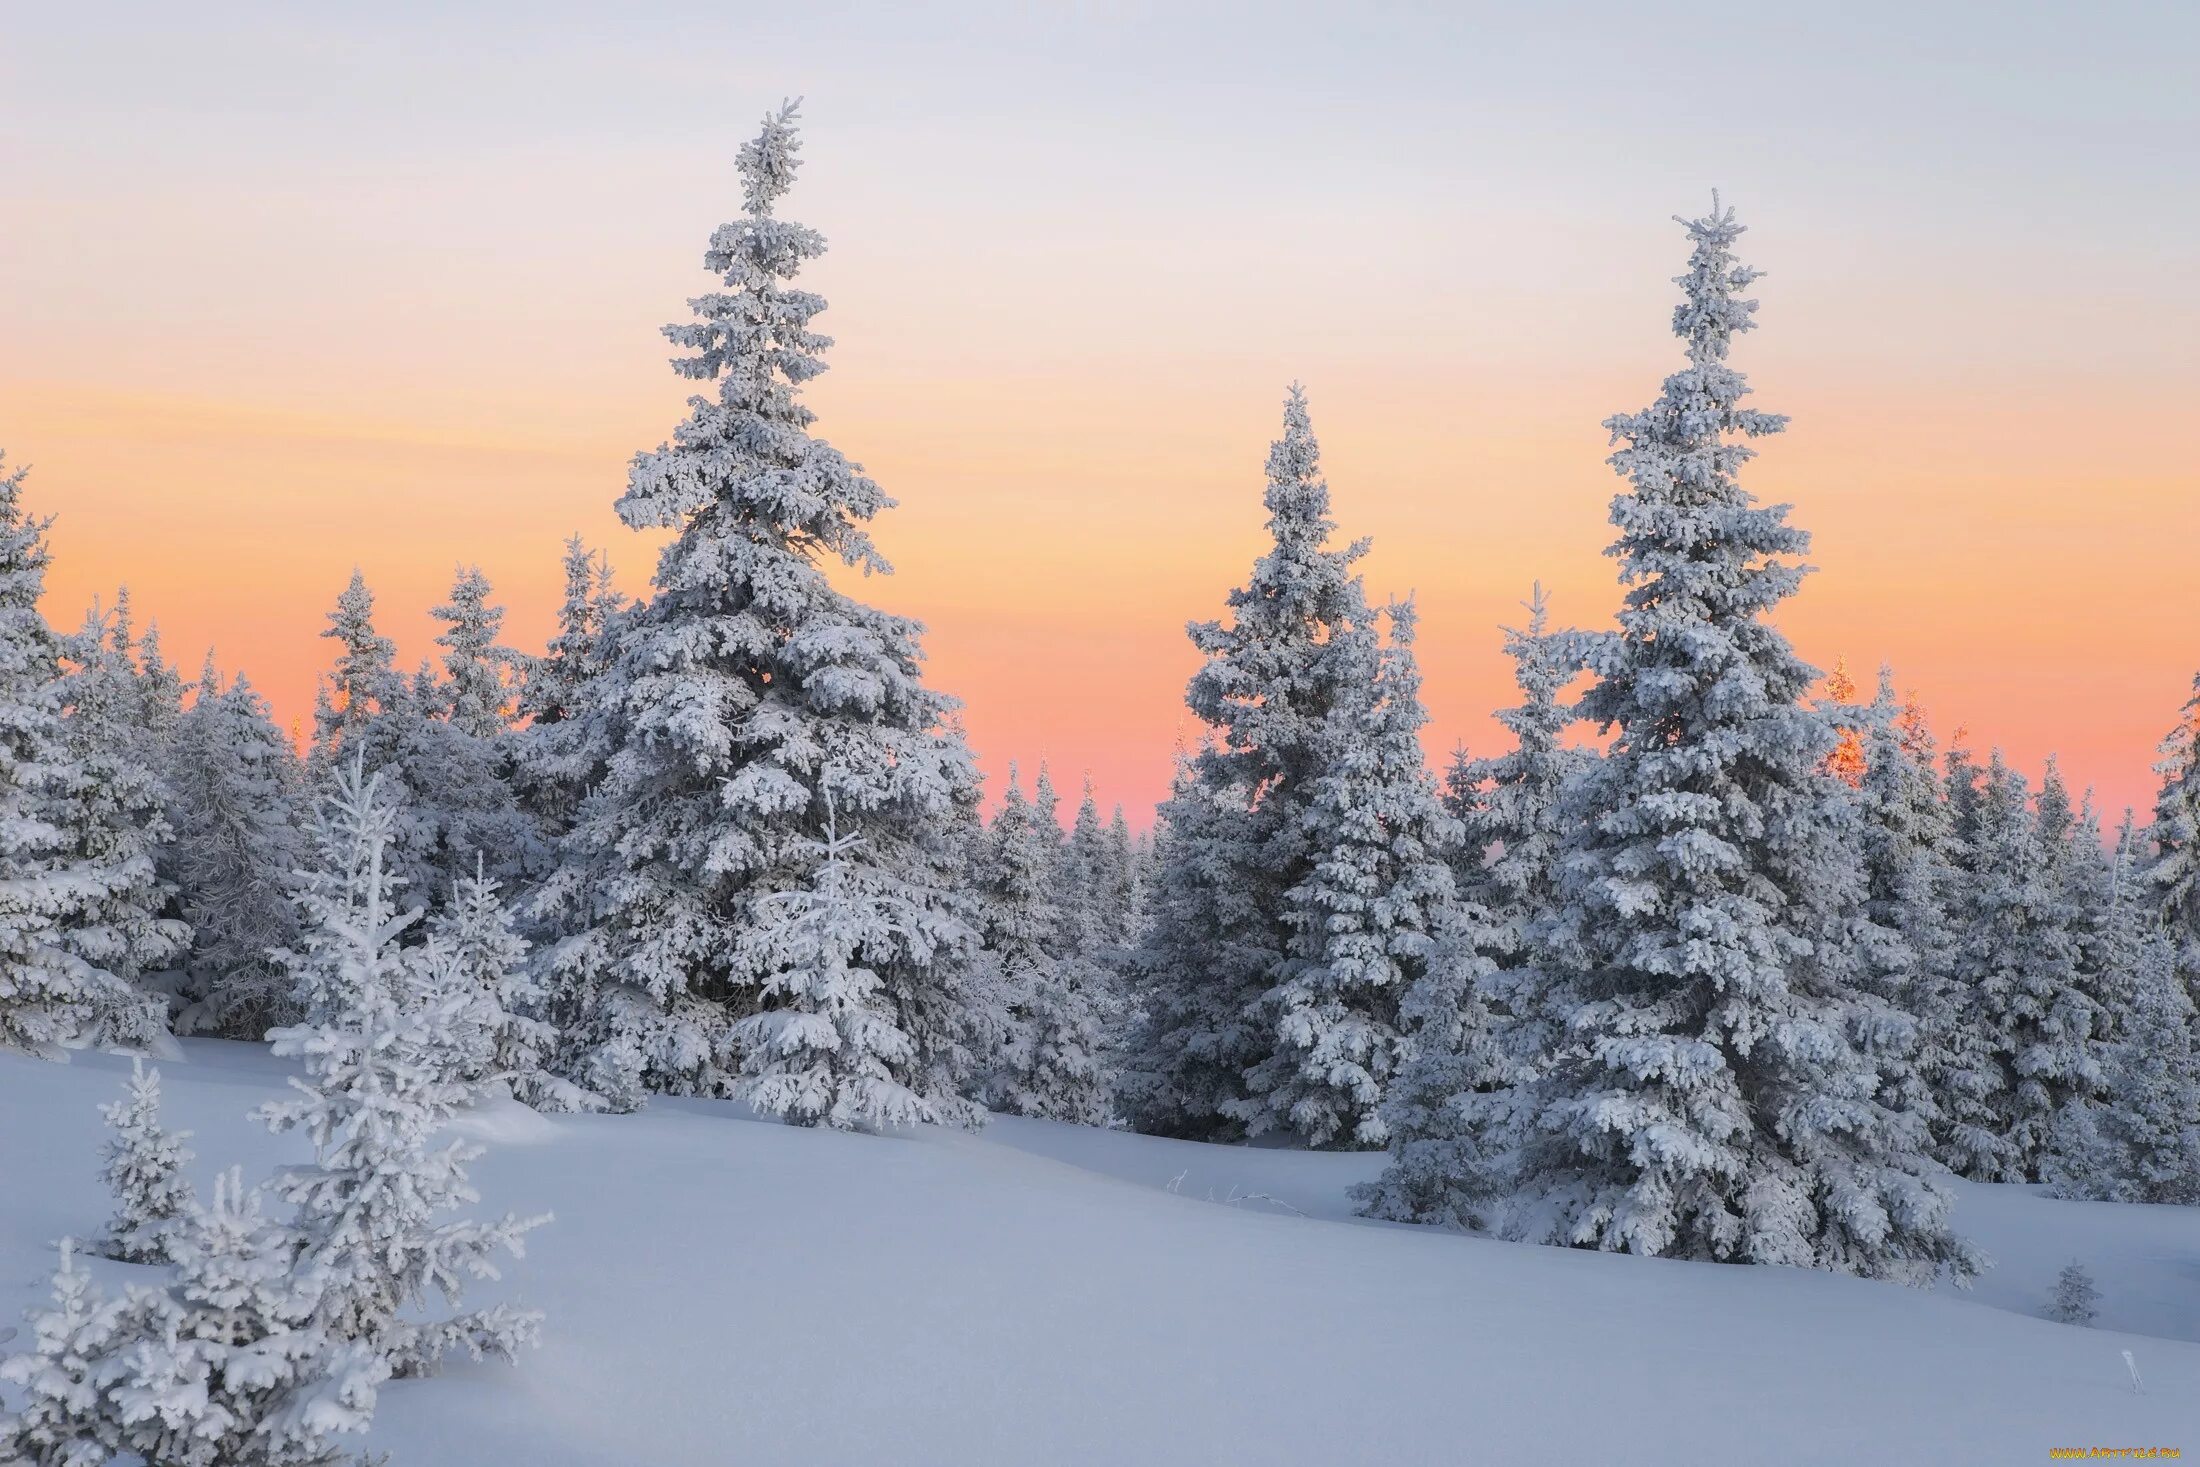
<point x="115" y="820"/>
<point x="1510" y="812"/>
<point x="1127" y="876"/>
<point x="1995" y="841"/>
<point x="481" y="675"/>
<point x="1239" y="839"/>
<point x="50" y="996"/>
<point x="742" y="695"/>
<point x="161" y="688"/>
<point x="1904" y="944"/>
<point x="1449" y="1113"/>
<point x="2175" y="833"/>
<point x="2076" y="1299"/>
<point x="502" y="1038"/>
<point x="2027" y="1026"/>
<point x="235" y="782"/>
<point x="378" y="1055"/>
<point x="1369" y="917"/>
<point x="830" y="1051"/>
<point x="221" y="1367"/>
<point x="552" y="771"/>
<point x="144" y="1171"/>
<point x="2058" y="1022"/>
<point x="1051" y="1065"/>
<point x="2154" y="1090"/>
<point x="1847" y="761"/>
<point x="1707" y="1100"/>
<point x="449" y="783"/>
<point x="456" y="805"/>
<point x="364" y="683"/>
<point x="2139" y="1140"/>
<point x="59" y="1421"/>
<point x="1092" y="897"/>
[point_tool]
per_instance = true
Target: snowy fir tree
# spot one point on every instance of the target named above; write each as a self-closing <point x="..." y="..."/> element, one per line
<point x="553" y="770"/>
<point x="454" y="794"/>
<point x="501" y="1038"/>
<point x="481" y="676"/>
<point x="161" y="689"/>
<point x="2077" y="1299"/>
<point x="828" y="1049"/>
<point x="1904" y="943"/>
<point x="2175" y="832"/>
<point x="1450" y="1113"/>
<point x="365" y="681"/>
<point x="1847" y="762"/>
<point x="221" y="1367"/>
<point x="1511" y="814"/>
<point x="739" y="698"/>
<point x="144" y="1171"/>
<point x="236" y="786"/>
<point x="52" y="892"/>
<point x="1097" y="909"/>
<point x="1370" y="917"/>
<point x="377" y="1050"/>
<point x="2154" y="1081"/>
<point x="2138" y="1140"/>
<point x="1706" y="1100"/>
<point x="1038" y="926"/>
<point x="1239" y="841"/>
<point x="440" y="745"/>
<point x="116" y="822"/>
<point x="1127" y="876"/>
<point x="2026" y="1024"/>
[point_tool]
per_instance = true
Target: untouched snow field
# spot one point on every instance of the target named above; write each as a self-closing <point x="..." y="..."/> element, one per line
<point x="722" y="1290"/>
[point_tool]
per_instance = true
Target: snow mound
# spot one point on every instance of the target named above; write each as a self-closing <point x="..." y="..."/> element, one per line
<point x="721" y="1289"/>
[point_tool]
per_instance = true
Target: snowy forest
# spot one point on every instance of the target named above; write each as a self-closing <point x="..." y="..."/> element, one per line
<point x="1725" y="958"/>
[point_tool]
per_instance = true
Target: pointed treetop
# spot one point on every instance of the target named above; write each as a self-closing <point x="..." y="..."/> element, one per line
<point x="767" y="161"/>
<point x="1539" y="609"/>
<point x="1714" y="312"/>
<point x="1405" y="619"/>
<point x="1295" y="459"/>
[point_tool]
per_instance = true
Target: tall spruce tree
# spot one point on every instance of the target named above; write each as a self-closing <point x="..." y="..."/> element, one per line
<point x="1707" y="1100"/>
<point x="553" y="771"/>
<point x="377" y="1048"/>
<point x="2138" y="1139"/>
<point x="481" y="675"/>
<point x="2026" y="1025"/>
<point x="1906" y="946"/>
<point x="439" y="744"/>
<point x="365" y="681"/>
<point x="1476" y="1021"/>
<point x="830" y="1049"/>
<point x="238" y="798"/>
<point x="1052" y="1063"/>
<point x="1095" y="910"/>
<point x="1239" y="841"/>
<point x="1511" y="812"/>
<point x="743" y="696"/>
<point x="116" y="824"/>
<point x="2174" y="873"/>
<point x="1372" y="915"/>
<point x="50" y="888"/>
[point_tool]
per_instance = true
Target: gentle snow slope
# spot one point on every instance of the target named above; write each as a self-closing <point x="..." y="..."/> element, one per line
<point x="723" y="1290"/>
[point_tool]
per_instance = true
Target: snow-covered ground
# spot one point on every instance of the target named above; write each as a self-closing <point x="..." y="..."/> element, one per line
<point x="727" y="1291"/>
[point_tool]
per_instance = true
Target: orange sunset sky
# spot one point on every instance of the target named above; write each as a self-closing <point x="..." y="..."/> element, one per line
<point x="288" y="289"/>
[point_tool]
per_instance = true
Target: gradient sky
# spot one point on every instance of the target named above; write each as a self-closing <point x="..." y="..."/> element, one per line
<point x="290" y="288"/>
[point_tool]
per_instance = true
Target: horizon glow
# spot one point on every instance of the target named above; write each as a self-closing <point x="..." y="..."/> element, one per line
<point x="285" y="292"/>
